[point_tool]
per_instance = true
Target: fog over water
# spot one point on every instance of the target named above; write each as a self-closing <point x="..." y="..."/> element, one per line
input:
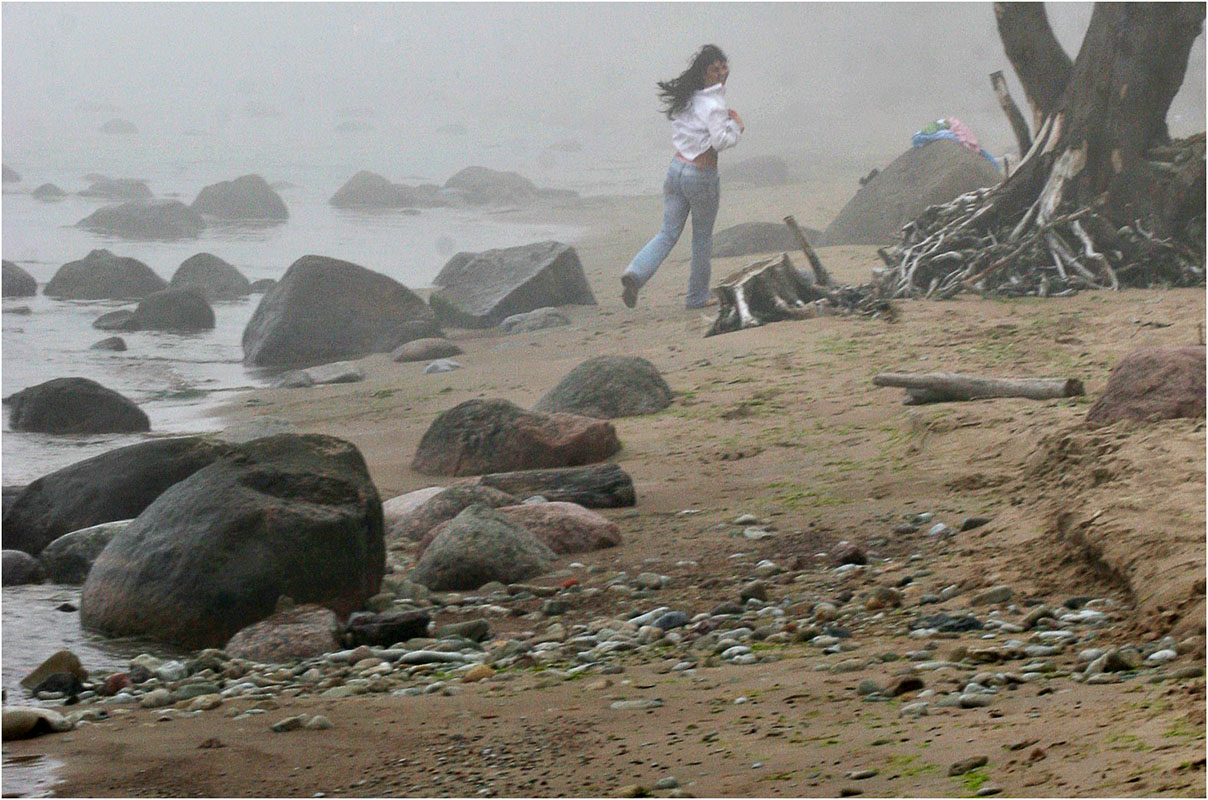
<point x="821" y="79"/>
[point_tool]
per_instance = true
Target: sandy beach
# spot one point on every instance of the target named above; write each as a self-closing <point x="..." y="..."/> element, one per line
<point x="783" y="423"/>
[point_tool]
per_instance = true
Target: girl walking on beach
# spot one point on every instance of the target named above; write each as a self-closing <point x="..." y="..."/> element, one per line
<point x="701" y="126"/>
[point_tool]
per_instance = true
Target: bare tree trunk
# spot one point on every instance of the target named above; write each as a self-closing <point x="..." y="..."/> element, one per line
<point x="1039" y="61"/>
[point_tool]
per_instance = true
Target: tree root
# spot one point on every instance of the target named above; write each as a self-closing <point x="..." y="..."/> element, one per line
<point x="1051" y="248"/>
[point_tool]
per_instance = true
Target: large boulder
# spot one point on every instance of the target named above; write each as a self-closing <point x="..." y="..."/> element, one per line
<point x="481" y="290"/>
<point x="481" y="436"/>
<point x="370" y="190"/>
<point x="477" y="547"/>
<point x="213" y="277"/>
<point x="757" y="171"/>
<point x="920" y="177"/>
<point x="1153" y="383"/>
<point x="68" y="558"/>
<point x="607" y="387"/>
<point x="19" y="568"/>
<point x="74" y="405"/>
<point x="482" y="186"/>
<point x="416" y="523"/>
<point x="288" y="636"/>
<point x="749" y="238"/>
<point x="118" y="189"/>
<point x="103" y="276"/>
<point x="326" y="310"/>
<point x="16" y="282"/>
<point x="247" y="197"/>
<point x="10" y="175"/>
<point x="115" y="485"/>
<point x="289" y="515"/>
<point x="173" y="310"/>
<point x="146" y="219"/>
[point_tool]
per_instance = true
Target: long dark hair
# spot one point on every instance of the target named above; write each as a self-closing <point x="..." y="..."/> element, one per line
<point x="676" y="92"/>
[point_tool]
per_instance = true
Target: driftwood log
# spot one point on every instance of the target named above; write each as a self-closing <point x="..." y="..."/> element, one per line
<point x="768" y="290"/>
<point x="594" y="486"/>
<point x="943" y="387"/>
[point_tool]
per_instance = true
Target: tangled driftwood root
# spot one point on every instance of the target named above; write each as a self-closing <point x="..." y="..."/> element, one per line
<point x="772" y="290"/>
<point x="1052" y="250"/>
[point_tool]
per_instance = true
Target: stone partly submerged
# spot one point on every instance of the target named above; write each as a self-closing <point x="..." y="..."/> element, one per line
<point x="609" y="386"/>
<point x="172" y="310"/>
<point x="1151" y="384"/>
<point x="17" y="282"/>
<point x="245" y="198"/>
<point x="324" y="310"/>
<point x="479" y="546"/>
<point x="75" y="405"/>
<point x="482" y="436"/>
<point x="116" y="485"/>
<point x="212" y="276"/>
<point x="292" y="515"/>
<point x="370" y="190"/>
<point x="146" y="219"/>
<point x="920" y="177"/>
<point x="68" y="558"/>
<point x="480" y="290"/>
<point x="101" y="275"/>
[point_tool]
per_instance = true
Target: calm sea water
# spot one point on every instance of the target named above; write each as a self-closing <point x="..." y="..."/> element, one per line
<point x="176" y="378"/>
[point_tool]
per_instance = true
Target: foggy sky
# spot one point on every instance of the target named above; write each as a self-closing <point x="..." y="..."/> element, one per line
<point x="803" y="75"/>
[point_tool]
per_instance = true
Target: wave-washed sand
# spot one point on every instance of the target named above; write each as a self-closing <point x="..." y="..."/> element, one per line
<point x="782" y="423"/>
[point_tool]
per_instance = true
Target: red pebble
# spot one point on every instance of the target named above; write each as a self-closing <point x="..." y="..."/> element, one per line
<point x="569" y="582"/>
<point x="115" y="683"/>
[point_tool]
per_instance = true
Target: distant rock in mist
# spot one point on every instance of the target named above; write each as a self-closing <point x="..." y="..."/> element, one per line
<point x="748" y="238"/>
<point x="257" y="110"/>
<point x="48" y="191"/>
<point x="758" y="171"/>
<point x="480" y="186"/>
<point x="119" y="126"/>
<point x="117" y="188"/>
<point x="370" y="190"/>
<point x="920" y="177"/>
<point x="146" y="219"/>
<point x="10" y="175"/>
<point x="246" y="198"/>
<point x="353" y="126"/>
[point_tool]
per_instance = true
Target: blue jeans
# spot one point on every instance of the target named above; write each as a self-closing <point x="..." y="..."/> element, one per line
<point x="687" y="188"/>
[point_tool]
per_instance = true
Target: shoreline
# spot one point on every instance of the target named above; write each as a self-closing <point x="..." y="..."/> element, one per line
<point x="780" y="423"/>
